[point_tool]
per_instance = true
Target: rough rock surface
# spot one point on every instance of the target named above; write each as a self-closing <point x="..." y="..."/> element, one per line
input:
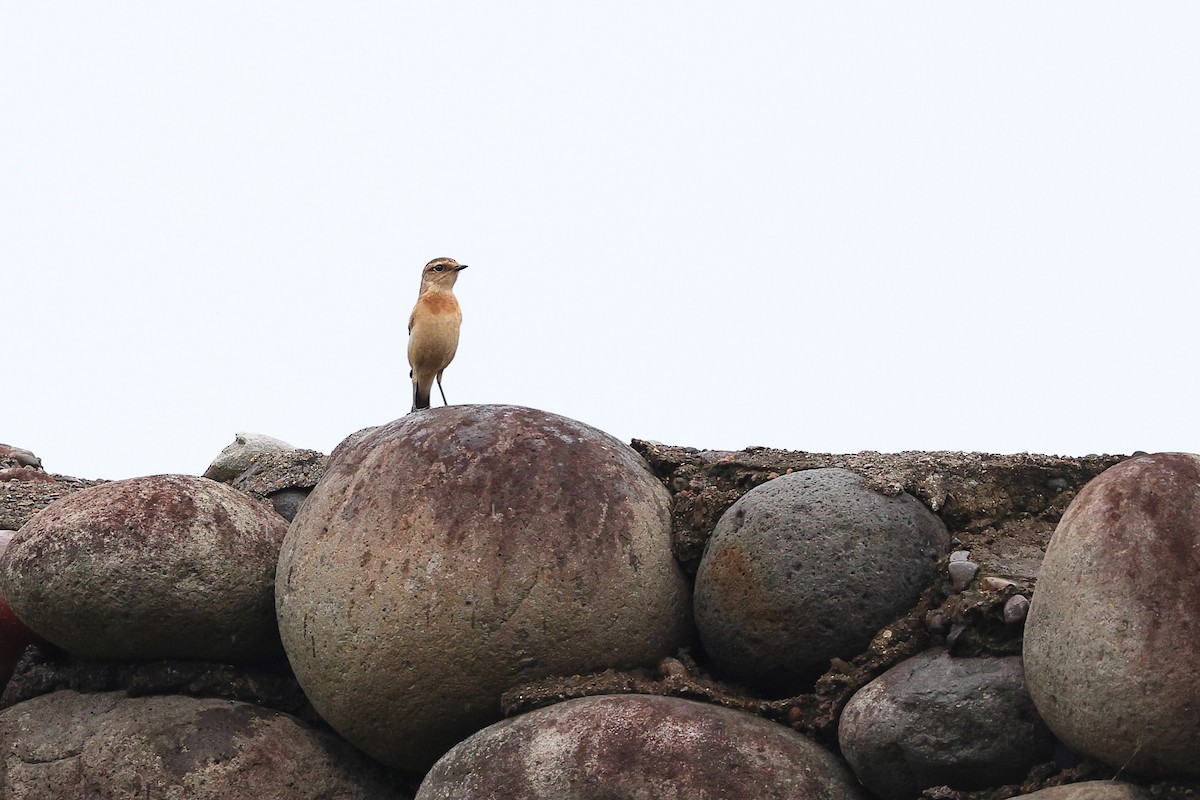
<point x="44" y="668"/>
<point x="167" y="566"/>
<point x="640" y="748"/>
<point x="268" y="473"/>
<point x="16" y="457"/>
<point x="285" y="478"/>
<point x="14" y="634"/>
<point x="806" y="568"/>
<point x="65" y="746"/>
<point x="459" y="551"/>
<point x="935" y="720"/>
<point x="1112" y="640"/>
<point x="1091" y="790"/>
<point x="20" y="500"/>
<point x="237" y="456"/>
<point x="1003" y="507"/>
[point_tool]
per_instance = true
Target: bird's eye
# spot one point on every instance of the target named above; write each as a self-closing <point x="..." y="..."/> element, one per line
<point x="439" y="267"/>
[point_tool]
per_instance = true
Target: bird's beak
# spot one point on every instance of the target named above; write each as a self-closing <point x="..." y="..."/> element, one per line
<point x="460" y="266"/>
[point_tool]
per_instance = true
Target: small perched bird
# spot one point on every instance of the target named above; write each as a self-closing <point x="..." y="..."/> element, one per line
<point x="433" y="329"/>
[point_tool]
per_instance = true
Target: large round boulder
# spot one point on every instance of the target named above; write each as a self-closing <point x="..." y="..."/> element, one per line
<point x="1112" y="640"/>
<point x="808" y="567"/>
<point x="457" y="552"/>
<point x="936" y="720"/>
<point x="166" y="566"/>
<point x="65" y="745"/>
<point x="639" y="747"/>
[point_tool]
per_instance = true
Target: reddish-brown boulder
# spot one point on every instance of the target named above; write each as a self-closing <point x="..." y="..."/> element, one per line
<point x="167" y="566"/>
<point x="457" y="552"/>
<point x="1112" y="639"/>
<point x="65" y="746"/>
<point x="638" y="747"/>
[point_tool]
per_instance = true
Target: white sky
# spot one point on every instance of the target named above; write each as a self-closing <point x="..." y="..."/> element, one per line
<point x="820" y="226"/>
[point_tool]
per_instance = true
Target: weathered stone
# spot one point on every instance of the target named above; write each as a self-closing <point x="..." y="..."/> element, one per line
<point x="1112" y="640"/>
<point x="637" y="747"/>
<point x="65" y="746"/>
<point x="287" y="502"/>
<point x="460" y="551"/>
<point x="962" y="573"/>
<point x="273" y="472"/>
<point x="235" y="458"/>
<point x="1016" y="609"/>
<point x="20" y="500"/>
<point x="1002" y="508"/>
<point x="1091" y="790"/>
<point x="808" y="567"/>
<point x="44" y="668"/>
<point x="167" y="566"/>
<point x="14" y="634"/>
<point x="19" y="457"/>
<point x="935" y="720"/>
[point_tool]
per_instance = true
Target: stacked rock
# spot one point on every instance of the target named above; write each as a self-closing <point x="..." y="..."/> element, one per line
<point x="438" y="562"/>
<point x="161" y="567"/>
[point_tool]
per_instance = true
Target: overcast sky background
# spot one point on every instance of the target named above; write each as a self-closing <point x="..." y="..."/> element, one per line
<point x="823" y="226"/>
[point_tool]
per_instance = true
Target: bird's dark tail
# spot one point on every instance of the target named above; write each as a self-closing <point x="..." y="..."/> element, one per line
<point x="420" y="398"/>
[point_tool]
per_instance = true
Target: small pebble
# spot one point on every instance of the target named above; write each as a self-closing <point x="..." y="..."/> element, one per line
<point x="953" y="635"/>
<point x="959" y="555"/>
<point x="672" y="668"/>
<point x="962" y="573"/>
<point x="936" y="622"/>
<point x="992" y="584"/>
<point x="1016" y="608"/>
<point x="1057" y="484"/>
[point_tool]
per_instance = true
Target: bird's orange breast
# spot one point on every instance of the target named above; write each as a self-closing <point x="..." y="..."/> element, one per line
<point x="438" y="303"/>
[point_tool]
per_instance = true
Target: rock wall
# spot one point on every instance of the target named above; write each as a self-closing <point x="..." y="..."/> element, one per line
<point x="944" y="669"/>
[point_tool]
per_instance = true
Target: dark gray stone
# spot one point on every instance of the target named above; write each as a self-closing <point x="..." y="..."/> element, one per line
<point x="65" y="746"/>
<point x="936" y="720"/>
<point x="808" y="567"/>
<point x="962" y="573"/>
<point x="1016" y="609"/>
<point x="1112" y="641"/>
<point x="453" y="554"/>
<point x="638" y="747"/>
<point x="287" y="503"/>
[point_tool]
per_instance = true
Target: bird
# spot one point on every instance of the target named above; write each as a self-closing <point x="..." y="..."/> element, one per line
<point x="433" y="329"/>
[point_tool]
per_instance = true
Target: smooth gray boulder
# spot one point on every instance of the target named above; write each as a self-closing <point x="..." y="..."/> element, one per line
<point x="1112" y="638"/>
<point x="638" y="747"/>
<point x="935" y="720"/>
<point x="808" y="567"/>
<point x="460" y="551"/>
<point x="66" y="746"/>
<point x="166" y="566"/>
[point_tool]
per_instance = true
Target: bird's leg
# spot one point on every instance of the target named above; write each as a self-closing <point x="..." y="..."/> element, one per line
<point x="440" y="389"/>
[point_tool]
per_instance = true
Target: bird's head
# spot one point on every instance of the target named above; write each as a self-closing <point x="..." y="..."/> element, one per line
<point x="440" y="273"/>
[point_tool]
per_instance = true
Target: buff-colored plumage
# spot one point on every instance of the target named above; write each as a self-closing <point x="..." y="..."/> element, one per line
<point x="433" y="328"/>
